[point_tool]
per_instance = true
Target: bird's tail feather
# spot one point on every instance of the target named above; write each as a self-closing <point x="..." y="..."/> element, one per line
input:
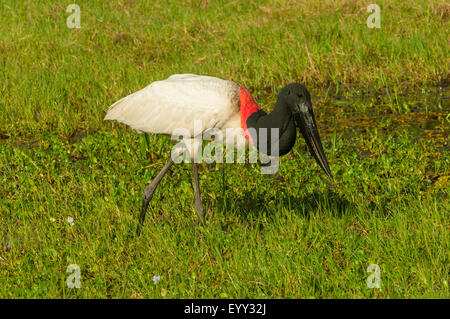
<point x="110" y="115"/>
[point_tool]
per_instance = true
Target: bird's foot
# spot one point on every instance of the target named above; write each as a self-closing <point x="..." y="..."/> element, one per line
<point x="201" y="212"/>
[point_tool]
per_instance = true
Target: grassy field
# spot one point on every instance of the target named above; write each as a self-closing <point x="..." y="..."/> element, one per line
<point x="382" y="110"/>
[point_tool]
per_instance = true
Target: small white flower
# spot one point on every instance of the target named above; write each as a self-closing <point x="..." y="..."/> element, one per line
<point x="156" y="279"/>
<point x="70" y="221"/>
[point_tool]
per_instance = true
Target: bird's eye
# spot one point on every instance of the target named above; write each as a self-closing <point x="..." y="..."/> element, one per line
<point x="300" y="95"/>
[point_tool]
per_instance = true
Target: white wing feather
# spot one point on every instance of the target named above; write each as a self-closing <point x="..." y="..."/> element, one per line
<point x="177" y="102"/>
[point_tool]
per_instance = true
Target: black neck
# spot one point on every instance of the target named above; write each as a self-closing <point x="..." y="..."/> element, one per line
<point x="280" y="118"/>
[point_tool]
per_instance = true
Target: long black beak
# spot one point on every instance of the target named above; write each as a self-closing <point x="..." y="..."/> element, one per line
<point x="306" y="122"/>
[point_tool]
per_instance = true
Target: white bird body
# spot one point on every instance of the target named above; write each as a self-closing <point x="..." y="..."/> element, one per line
<point x="182" y="101"/>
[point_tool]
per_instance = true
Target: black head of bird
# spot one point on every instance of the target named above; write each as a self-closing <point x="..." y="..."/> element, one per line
<point x="298" y="99"/>
<point x="293" y="110"/>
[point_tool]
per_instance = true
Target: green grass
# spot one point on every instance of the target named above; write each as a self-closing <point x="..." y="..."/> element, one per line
<point x="288" y="236"/>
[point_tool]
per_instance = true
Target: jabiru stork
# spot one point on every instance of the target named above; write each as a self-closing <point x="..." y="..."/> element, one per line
<point x="182" y="99"/>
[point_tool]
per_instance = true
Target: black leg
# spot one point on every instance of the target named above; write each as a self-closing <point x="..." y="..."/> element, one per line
<point x="148" y="193"/>
<point x="198" y="202"/>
